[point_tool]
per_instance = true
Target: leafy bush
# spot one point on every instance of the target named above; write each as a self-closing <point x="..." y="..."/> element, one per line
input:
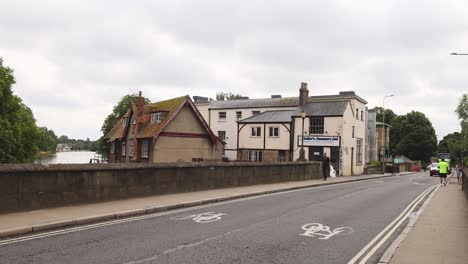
<point x="373" y="163"/>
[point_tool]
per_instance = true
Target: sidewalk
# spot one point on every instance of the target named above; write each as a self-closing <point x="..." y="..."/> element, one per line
<point x="34" y="221"/>
<point x="440" y="234"/>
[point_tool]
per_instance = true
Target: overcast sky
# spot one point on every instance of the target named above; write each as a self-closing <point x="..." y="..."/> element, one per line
<point x="74" y="60"/>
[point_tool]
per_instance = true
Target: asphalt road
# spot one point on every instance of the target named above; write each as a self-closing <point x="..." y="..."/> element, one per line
<point x="327" y="224"/>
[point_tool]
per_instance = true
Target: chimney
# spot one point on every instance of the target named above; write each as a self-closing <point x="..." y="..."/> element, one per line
<point x="303" y="94"/>
<point x="139" y="103"/>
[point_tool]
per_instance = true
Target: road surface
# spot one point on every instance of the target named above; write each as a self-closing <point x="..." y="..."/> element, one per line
<point x="326" y="224"/>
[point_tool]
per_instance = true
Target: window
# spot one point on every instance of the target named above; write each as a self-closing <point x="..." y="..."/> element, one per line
<point x="254" y="113"/>
<point x="144" y="148"/>
<point x="238" y="114"/>
<point x="255" y="155"/>
<point x="133" y="120"/>
<point x="156" y="117"/>
<point x="256" y="131"/>
<point x="359" y="150"/>
<point x="123" y="149"/>
<point x="357" y="114"/>
<point x="282" y="155"/>
<point x="131" y="148"/>
<point x="125" y="121"/>
<point x="316" y="125"/>
<point x="352" y="133"/>
<point x="222" y="135"/>
<point x="274" y="132"/>
<point x="112" y="150"/>
<point x="222" y="116"/>
<point x="362" y="115"/>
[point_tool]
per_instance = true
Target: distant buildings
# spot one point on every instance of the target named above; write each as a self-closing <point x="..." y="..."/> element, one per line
<point x="62" y="148"/>
<point x="270" y="129"/>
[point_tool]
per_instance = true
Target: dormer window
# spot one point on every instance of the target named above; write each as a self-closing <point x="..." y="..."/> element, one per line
<point x="156" y="117"/>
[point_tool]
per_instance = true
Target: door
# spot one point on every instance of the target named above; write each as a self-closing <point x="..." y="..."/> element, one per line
<point x="335" y="158"/>
<point x="315" y="153"/>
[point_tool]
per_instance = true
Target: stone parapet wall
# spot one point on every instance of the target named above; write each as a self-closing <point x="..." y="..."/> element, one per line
<point x="34" y="186"/>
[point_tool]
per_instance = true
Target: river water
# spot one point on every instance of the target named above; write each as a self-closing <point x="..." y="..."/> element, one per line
<point x="68" y="157"/>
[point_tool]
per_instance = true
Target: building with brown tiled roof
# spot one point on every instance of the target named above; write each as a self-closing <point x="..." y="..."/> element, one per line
<point x="166" y="131"/>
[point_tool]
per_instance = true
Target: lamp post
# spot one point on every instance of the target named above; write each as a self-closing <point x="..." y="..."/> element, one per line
<point x="302" y="152"/>
<point x="384" y="136"/>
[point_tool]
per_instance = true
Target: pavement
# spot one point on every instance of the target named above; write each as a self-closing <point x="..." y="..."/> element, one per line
<point x="439" y="235"/>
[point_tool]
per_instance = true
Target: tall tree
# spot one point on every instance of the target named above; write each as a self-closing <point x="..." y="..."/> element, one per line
<point x="462" y="108"/>
<point x="452" y="143"/>
<point x="46" y="140"/>
<point x="220" y="96"/>
<point x="389" y="115"/>
<point x="413" y="136"/>
<point x="117" y="113"/>
<point x="18" y="131"/>
<point x="462" y="112"/>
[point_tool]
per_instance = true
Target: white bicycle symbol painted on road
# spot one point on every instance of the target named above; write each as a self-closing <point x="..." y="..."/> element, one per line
<point x="323" y="231"/>
<point x="207" y="217"/>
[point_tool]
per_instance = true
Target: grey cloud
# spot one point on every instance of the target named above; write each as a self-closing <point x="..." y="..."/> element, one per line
<point x="107" y="49"/>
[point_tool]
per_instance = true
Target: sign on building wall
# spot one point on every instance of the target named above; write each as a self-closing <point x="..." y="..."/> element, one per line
<point x="319" y="141"/>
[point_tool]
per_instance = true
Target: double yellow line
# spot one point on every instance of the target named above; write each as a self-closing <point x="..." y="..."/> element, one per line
<point x="392" y="227"/>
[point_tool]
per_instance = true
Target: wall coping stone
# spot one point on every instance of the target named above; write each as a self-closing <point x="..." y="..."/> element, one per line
<point x="31" y="167"/>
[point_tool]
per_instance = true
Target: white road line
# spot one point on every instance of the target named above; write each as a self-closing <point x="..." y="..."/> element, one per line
<point x="374" y="249"/>
<point x="137" y="218"/>
<point x="403" y="215"/>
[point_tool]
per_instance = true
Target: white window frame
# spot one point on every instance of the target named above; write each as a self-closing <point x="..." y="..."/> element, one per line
<point x="144" y="148"/>
<point x="272" y="130"/>
<point x="255" y="155"/>
<point x="359" y="150"/>
<point x="156" y="118"/>
<point x="124" y="149"/>
<point x="256" y="132"/>
<point x="131" y="148"/>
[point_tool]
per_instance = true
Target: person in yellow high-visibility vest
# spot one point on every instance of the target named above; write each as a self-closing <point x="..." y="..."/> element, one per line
<point x="443" y="169"/>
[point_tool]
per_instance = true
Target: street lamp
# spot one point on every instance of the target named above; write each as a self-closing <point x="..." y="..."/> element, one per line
<point x="302" y="152"/>
<point x="384" y="137"/>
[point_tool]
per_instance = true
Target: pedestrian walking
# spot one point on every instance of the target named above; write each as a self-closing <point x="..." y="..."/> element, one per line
<point x="458" y="170"/>
<point x="443" y="168"/>
<point x="325" y="166"/>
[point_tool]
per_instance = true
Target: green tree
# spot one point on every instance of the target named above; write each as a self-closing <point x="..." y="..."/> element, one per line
<point x="46" y="140"/>
<point x="462" y="108"/>
<point x="117" y="113"/>
<point x="462" y="112"/>
<point x="220" y="96"/>
<point x="452" y="143"/>
<point x="389" y="115"/>
<point x="413" y="136"/>
<point x="18" y="130"/>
